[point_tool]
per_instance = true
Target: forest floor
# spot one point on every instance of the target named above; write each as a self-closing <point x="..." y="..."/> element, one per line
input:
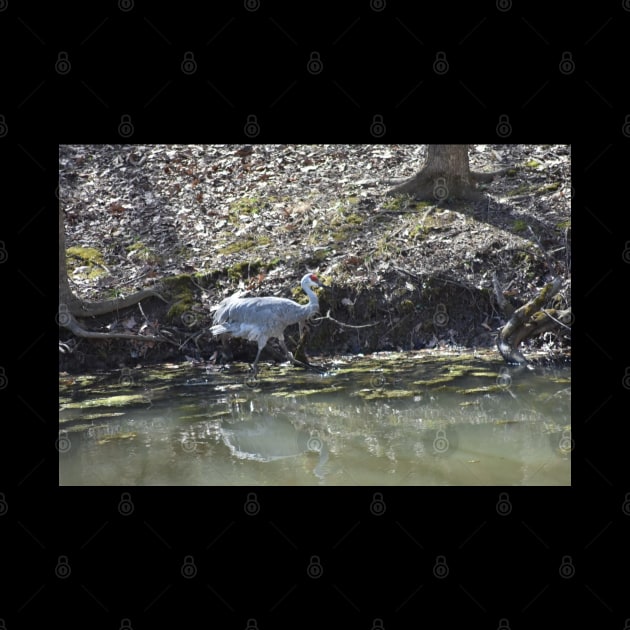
<point x="198" y="222"/>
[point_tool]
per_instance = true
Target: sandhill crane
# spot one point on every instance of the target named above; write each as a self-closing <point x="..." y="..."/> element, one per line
<point x="260" y="318"/>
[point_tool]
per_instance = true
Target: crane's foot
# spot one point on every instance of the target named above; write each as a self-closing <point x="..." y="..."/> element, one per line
<point x="316" y="368"/>
<point x="308" y="366"/>
<point x="252" y="380"/>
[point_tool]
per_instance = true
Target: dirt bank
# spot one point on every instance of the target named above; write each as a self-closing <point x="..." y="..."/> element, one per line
<point x="195" y="222"/>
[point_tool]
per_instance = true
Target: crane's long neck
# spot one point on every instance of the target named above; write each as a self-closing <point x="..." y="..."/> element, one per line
<point x="313" y="302"/>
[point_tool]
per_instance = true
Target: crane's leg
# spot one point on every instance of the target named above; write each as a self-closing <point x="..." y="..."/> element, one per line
<point x="261" y="344"/>
<point x="283" y="345"/>
<point x="289" y="354"/>
<point x="255" y="363"/>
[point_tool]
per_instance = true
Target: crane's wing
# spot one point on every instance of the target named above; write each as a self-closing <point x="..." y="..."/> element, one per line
<point x="235" y="296"/>
<point x="264" y="311"/>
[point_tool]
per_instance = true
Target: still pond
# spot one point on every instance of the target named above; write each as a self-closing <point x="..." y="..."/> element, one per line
<point x="419" y="418"/>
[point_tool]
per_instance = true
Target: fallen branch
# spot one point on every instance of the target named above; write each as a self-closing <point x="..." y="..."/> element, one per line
<point x="548" y="312"/>
<point x="195" y="337"/>
<point x="332" y="319"/>
<point x="529" y="320"/>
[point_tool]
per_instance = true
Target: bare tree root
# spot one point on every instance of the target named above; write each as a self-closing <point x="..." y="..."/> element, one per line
<point x="67" y="320"/>
<point x="426" y="186"/>
<point x="79" y="308"/>
<point x="488" y="177"/>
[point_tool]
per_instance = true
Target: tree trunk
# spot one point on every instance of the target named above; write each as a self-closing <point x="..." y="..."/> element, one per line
<point x="445" y="175"/>
<point x="67" y="300"/>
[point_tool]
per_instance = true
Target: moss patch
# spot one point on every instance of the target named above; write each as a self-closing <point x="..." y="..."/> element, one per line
<point x="245" y="206"/>
<point x="181" y="291"/>
<point x="140" y="251"/>
<point x="523" y="189"/>
<point x="549" y="187"/>
<point x="85" y="255"/>
<point x="243" y="269"/>
<point x="245" y="244"/>
<point x="395" y="204"/>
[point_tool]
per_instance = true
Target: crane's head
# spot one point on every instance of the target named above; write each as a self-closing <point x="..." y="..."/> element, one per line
<point x="311" y="280"/>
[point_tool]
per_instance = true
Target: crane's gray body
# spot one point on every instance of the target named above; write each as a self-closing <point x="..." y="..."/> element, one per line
<point x="261" y="318"/>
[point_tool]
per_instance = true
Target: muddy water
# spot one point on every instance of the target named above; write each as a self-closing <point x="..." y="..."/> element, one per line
<point x="388" y="419"/>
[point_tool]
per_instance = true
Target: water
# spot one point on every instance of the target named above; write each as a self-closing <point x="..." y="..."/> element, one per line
<point x="391" y="419"/>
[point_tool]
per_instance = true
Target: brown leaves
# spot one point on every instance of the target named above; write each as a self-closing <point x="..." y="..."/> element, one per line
<point x="209" y="207"/>
<point x="116" y="208"/>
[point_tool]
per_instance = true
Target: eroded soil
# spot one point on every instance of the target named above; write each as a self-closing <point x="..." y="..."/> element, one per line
<point x="196" y="222"/>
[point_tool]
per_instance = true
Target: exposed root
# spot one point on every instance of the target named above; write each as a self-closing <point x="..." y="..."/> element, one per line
<point x="79" y="308"/>
<point x="67" y="320"/>
<point x="488" y="177"/>
<point x="427" y="186"/>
